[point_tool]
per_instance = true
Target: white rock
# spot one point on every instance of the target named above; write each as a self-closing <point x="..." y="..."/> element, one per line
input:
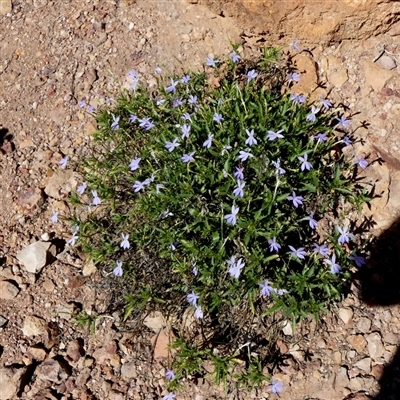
<point x="5" y="7"/>
<point x="375" y="346"/>
<point x="287" y="329"/>
<point x="8" y="290"/>
<point x="342" y="379"/>
<point x="10" y="380"/>
<point x="345" y="314"/>
<point x="364" y="364"/>
<point x="89" y="268"/>
<point x="45" y="237"/>
<point x="387" y="62"/>
<point x="356" y="384"/>
<point x="364" y="324"/>
<point x="155" y="321"/>
<point x="128" y="371"/>
<point x="36" y="256"/>
<point x="60" y="184"/>
<point x="33" y="326"/>
<point x="3" y="321"/>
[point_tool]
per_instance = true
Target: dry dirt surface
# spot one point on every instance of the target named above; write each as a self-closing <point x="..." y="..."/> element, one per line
<point x="53" y="55"/>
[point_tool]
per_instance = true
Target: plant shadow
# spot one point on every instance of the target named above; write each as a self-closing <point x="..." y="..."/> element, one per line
<point x="380" y="286"/>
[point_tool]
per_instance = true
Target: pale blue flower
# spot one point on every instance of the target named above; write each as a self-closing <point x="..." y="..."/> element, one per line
<point x="177" y="102"/>
<point x="132" y="118"/>
<point x="172" y="145"/>
<point x="63" y="162"/>
<point x="158" y="70"/>
<point x="208" y="142"/>
<point x="325" y="103"/>
<point x="235" y="269"/>
<point x="295" y="45"/>
<point x="278" y="169"/>
<point x="239" y="173"/>
<point x="160" y="102"/>
<point x="211" y="62"/>
<point x="231" y="261"/>
<point x="96" y="200"/>
<point x="231" y="218"/>
<point x="251" y="139"/>
<point x="238" y="191"/>
<point x="192" y="298"/>
<point x="343" y="122"/>
<point x="125" y="242"/>
<point x="312" y="117"/>
<point x="361" y="162"/>
<point x="304" y="163"/>
<point x="234" y="56"/>
<point x="276" y="387"/>
<point x="298" y="98"/>
<point x="280" y="292"/>
<point x="311" y="221"/>
<point x="172" y="246"/>
<point x="244" y="155"/>
<point x="172" y="87"/>
<point x="149" y="180"/>
<point x="169" y="396"/>
<point x="134" y="165"/>
<point x="198" y="313"/>
<point x="117" y="271"/>
<point x="323" y="249"/>
<point x="133" y="85"/>
<point x="293" y="77"/>
<point x="185" y="79"/>
<point x="54" y="217"/>
<point x="146" y="123"/>
<point x="345" y="235"/>
<point x="321" y="137"/>
<point x="186" y="117"/>
<point x="132" y="74"/>
<point x="90" y="109"/>
<point x="297" y="200"/>
<point x="192" y="99"/>
<point x="72" y="240"/>
<point x="347" y="141"/>
<point x="273" y="245"/>
<point x="299" y="253"/>
<point x="273" y="135"/>
<point x="188" y="157"/>
<point x="115" y="122"/>
<point x="226" y="148"/>
<point x="335" y="268"/>
<point x="169" y="374"/>
<point x="138" y="186"/>
<point x="185" y="130"/>
<point x="82" y="103"/>
<point x="359" y="260"/>
<point x="218" y="118"/>
<point x="194" y="270"/>
<point x="266" y="288"/>
<point x="251" y="75"/>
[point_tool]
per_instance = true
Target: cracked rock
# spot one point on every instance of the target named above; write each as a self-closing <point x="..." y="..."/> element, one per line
<point x="36" y="256"/>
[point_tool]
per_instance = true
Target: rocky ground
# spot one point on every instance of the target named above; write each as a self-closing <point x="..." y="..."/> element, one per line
<point x="55" y="54"/>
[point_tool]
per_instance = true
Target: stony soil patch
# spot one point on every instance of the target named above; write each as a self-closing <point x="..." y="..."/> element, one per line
<point x="55" y="54"/>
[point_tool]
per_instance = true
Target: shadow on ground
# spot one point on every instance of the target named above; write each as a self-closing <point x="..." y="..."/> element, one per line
<point x="381" y="287"/>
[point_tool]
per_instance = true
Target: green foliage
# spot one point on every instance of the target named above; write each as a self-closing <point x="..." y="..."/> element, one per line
<point x="86" y="320"/>
<point x="176" y="212"/>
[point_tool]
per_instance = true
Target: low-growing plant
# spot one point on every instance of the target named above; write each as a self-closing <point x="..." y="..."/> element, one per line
<point x="236" y="193"/>
<point x="86" y="320"/>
